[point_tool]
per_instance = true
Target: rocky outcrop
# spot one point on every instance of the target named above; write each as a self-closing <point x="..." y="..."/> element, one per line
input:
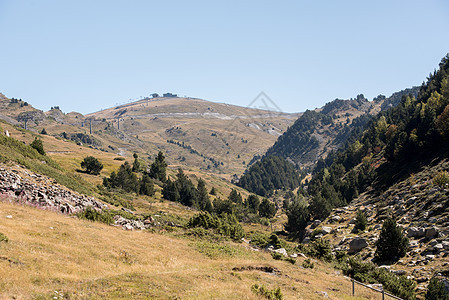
<point x="357" y="244"/>
<point x="40" y="191"/>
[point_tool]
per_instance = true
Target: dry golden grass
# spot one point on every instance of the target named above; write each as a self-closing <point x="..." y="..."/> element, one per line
<point x="50" y="252"/>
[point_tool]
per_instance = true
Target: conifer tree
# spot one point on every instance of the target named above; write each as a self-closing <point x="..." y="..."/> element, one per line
<point x="392" y="243"/>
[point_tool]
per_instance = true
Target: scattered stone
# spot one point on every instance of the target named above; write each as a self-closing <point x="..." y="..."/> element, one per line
<point x="357" y="244"/>
<point x="414" y="232"/>
<point x="9" y="217"/>
<point x="335" y="218"/>
<point x="326" y="230"/>
<point x="431" y="232"/>
<point x="315" y="223"/>
<point x="281" y="251"/>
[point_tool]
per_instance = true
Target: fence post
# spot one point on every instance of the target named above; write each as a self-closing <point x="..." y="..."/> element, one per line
<point x="353" y="288"/>
<point x="383" y="294"/>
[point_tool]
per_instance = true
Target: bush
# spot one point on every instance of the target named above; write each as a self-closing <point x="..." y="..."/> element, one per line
<point x="436" y="290"/>
<point x="3" y="238"/>
<point x="360" y="221"/>
<point x="96" y="216"/>
<point x="277" y="256"/>
<point x="308" y="264"/>
<point x="92" y="165"/>
<point x="259" y="239"/>
<point x="226" y="224"/>
<point x="261" y="290"/>
<point x="321" y="249"/>
<point x="400" y="286"/>
<point x="392" y="243"/>
<point x="38" y="145"/>
<point x="442" y="178"/>
<point x="291" y="260"/>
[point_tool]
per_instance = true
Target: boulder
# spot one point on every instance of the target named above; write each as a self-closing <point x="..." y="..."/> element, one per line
<point x="431" y="232"/>
<point x="326" y="230"/>
<point x="316" y="223"/>
<point x="281" y="251"/>
<point x="415" y="232"/>
<point x="357" y="244"/>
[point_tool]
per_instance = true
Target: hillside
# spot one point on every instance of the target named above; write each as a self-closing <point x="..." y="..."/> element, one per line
<point x="47" y="252"/>
<point x="212" y="137"/>
<point x="316" y="133"/>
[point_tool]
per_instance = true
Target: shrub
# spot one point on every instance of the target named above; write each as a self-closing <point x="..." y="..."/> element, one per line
<point x="442" y="178"/>
<point x="92" y="165"/>
<point x="360" y="221"/>
<point x="259" y="239"/>
<point x="261" y="290"/>
<point x="308" y="264"/>
<point x="275" y="241"/>
<point x="291" y="260"/>
<point x="277" y="256"/>
<point x="267" y="209"/>
<point x="93" y="215"/>
<point x="400" y="286"/>
<point x="321" y="249"/>
<point x="38" y="145"/>
<point x="436" y="290"/>
<point x="392" y="243"/>
<point x="226" y="224"/>
<point x="3" y="238"/>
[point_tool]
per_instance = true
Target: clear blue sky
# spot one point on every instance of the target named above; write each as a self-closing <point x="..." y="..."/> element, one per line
<point x="89" y="55"/>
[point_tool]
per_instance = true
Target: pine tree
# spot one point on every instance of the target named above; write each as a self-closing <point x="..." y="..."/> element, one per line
<point x="38" y="145"/>
<point x="298" y="216"/>
<point x="436" y="290"/>
<point x="360" y="221"/>
<point x="235" y="197"/>
<point x="392" y="243"/>
<point x="253" y="203"/>
<point x="92" y="165"/>
<point x="203" y="197"/>
<point x="158" y="169"/>
<point x="267" y="209"/>
<point x="146" y="185"/>
<point x="136" y="163"/>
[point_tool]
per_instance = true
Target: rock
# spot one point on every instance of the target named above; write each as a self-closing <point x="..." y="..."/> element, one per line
<point x="316" y="223"/>
<point x="294" y="255"/>
<point x="412" y="200"/>
<point x="398" y="272"/>
<point x="326" y="229"/>
<point x="335" y="218"/>
<point x="432" y="220"/>
<point x="306" y="240"/>
<point x="414" y="232"/>
<point x="438" y="247"/>
<point x="431" y="232"/>
<point x="127" y="227"/>
<point x="281" y="251"/>
<point x="422" y="279"/>
<point x="357" y="244"/>
<point x="9" y="217"/>
<point x="445" y="245"/>
<point x="127" y="210"/>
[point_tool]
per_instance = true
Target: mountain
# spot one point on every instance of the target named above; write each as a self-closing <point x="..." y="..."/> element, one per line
<point x="316" y="133"/>
<point x="212" y="137"/>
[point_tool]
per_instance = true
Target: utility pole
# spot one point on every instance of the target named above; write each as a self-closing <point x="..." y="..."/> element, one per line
<point x="90" y="127"/>
<point x="118" y="124"/>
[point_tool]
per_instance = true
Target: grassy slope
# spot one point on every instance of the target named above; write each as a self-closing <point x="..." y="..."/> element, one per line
<point x="50" y="252"/>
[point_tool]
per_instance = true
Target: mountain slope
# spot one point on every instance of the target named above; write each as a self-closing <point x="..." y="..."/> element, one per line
<point x="212" y="137"/>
